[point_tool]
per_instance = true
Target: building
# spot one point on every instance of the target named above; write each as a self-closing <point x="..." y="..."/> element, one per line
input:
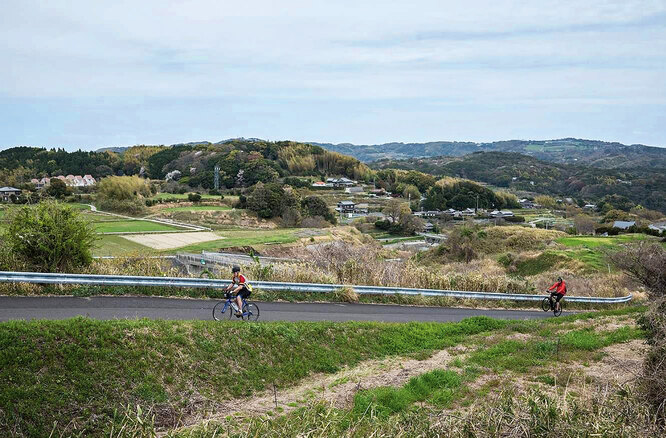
<point x="589" y="207"/>
<point x="362" y="209"/>
<point x="468" y="212"/>
<point x="69" y="180"/>
<point x="7" y="192"/>
<point x="428" y="227"/>
<point x="354" y="190"/>
<point x="623" y="225"/>
<point x="658" y="226"/>
<point x="341" y="182"/>
<point x="321" y="184"/>
<point x="526" y="203"/>
<point x="346" y="206"/>
<point x="501" y="213"/>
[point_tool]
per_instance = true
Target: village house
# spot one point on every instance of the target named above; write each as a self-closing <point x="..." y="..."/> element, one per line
<point x="354" y="190"/>
<point x="346" y="206"/>
<point x="623" y="225"/>
<point x="7" y="192"/>
<point x="501" y="214"/>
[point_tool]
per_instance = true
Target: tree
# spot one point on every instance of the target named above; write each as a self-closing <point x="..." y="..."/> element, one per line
<point x="270" y="200"/>
<point x="316" y="206"/>
<point x="58" y="189"/>
<point x="123" y="193"/>
<point x="545" y="201"/>
<point x="411" y="192"/>
<point x="584" y="224"/>
<point x="393" y="209"/>
<point x="49" y="237"/>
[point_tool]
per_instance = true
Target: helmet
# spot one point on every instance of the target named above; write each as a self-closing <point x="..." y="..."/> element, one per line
<point x="559" y="278"/>
<point x="235" y="269"/>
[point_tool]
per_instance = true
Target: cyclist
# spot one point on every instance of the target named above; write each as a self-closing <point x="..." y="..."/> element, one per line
<point x="557" y="291"/>
<point x="241" y="288"/>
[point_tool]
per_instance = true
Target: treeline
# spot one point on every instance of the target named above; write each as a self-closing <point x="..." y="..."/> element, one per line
<point x="642" y="186"/>
<point x="242" y="163"/>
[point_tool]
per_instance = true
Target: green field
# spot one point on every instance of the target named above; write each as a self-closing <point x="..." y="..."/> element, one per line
<point x="593" y="242"/>
<point x="234" y="238"/>
<point x="199" y="208"/>
<point x="184" y="196"/>
<point x="115" y="245"/>
<point x="129" y="226"/>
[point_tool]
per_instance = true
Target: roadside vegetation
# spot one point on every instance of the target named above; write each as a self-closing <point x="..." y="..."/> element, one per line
<point x="85" y="377"/>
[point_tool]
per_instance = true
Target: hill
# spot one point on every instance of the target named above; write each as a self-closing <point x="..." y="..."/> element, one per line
<point x="607" y="155"/>
<point x="243" y="162"/>
<point x="642" y="185"/>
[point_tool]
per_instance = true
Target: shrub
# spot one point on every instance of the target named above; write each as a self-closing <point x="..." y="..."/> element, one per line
<point x="194" y="197"/>
<point x="646" y="262"/>
<point x="50" y="237"/>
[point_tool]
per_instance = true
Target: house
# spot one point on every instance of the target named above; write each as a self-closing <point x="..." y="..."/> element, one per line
<point x="346" y="206"/>
<point x="428" y="227"/>
<point x="354" y="190"/>
<point x="431" y="213"/>
<point x="362" y="209"/>
<point x="340" y="182"/>
<point x="590" y="207"/>
<point x="526" y="203"/>
<point x="7" y="192"/>
<point x="623" y="225"/>
<point x="500" y="214"/>
<point x="468" y="212"/>
<point x="658" y="226"/>
<point x="321" y="184"/>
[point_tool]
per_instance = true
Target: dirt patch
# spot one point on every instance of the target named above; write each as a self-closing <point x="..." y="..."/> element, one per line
<point x="621" y="363"/>
<point x="172" y="240"/>
<point x="338" y="389"/>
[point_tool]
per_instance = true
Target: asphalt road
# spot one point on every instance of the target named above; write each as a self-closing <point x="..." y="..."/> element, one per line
<point x="12" y="308"/>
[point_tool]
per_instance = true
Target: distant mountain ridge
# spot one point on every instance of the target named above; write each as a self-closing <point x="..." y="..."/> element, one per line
<point x="608" y="155"/>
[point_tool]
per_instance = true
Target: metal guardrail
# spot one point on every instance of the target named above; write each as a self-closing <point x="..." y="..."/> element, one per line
<point x="118" y="280"/>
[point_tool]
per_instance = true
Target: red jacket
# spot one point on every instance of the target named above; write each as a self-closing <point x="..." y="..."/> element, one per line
<point x="560" y="287"/>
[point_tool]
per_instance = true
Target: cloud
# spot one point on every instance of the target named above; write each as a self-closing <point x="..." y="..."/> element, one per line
<point x="609" y="54"/>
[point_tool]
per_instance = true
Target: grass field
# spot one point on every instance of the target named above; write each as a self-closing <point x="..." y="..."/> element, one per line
<point x="593" y="242"/>
<point x="199" y="208"/>
<point x="184" y="196"/>
<point x="80" y="374"/>
<point x="115" y="245"/>
<point x="233" y="238"/>
<point x="129" y="226"/>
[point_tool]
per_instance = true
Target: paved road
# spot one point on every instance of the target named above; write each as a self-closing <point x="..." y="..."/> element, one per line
<point x="174" y="308"/>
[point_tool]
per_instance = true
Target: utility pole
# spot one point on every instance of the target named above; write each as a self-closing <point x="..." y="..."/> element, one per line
<point x="217" y="177"/>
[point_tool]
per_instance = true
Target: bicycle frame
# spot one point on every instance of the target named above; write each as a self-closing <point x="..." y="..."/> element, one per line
<point x="229" y="301"/>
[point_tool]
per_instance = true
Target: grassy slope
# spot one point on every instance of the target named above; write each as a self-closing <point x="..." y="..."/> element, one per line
<point x="84" y="369"/>
<point x="128" y="226"/>
<point x="114" y="245"/>
<point x="549" y="355"/>
<point x="199" y="208"/>
<point x="241" y="237"/>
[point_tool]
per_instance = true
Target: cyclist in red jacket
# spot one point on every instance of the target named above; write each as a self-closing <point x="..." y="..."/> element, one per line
<point x="241" y="288"/>
<point x="557" y="291"/>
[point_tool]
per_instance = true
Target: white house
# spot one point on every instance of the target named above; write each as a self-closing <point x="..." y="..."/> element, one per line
<point x="7" y="192"/>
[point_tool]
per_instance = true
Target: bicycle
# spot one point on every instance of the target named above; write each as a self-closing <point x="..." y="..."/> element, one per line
<point x="548" y="304"/>
<point x="222" y="308"/>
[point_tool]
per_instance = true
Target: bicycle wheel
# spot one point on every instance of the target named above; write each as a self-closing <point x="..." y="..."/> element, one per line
<point x="559" y="312"/>
<point x="250" y="312"/>
<point x="545" y="304"/>
<point x="219" y="312"/>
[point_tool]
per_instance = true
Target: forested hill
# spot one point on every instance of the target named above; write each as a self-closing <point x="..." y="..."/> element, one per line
<point x="642" y="185"/>
<point x="568" y="150"/>
<point x="243" y="162"/>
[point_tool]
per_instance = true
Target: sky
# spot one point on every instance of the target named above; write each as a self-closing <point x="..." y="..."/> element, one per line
<point x="91" y="74"/>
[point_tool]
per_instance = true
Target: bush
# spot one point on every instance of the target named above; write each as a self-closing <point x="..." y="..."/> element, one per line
<point x="515" y="219"/>
<point x="194" y="197"/>
<point x="646" y="263"/>
<point x="49" y="237"/>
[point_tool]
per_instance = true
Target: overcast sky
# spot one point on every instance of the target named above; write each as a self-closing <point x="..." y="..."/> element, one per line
<point x="88" y="74"/>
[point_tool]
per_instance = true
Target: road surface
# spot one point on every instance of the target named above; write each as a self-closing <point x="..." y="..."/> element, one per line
<point x="176" y="308"/>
